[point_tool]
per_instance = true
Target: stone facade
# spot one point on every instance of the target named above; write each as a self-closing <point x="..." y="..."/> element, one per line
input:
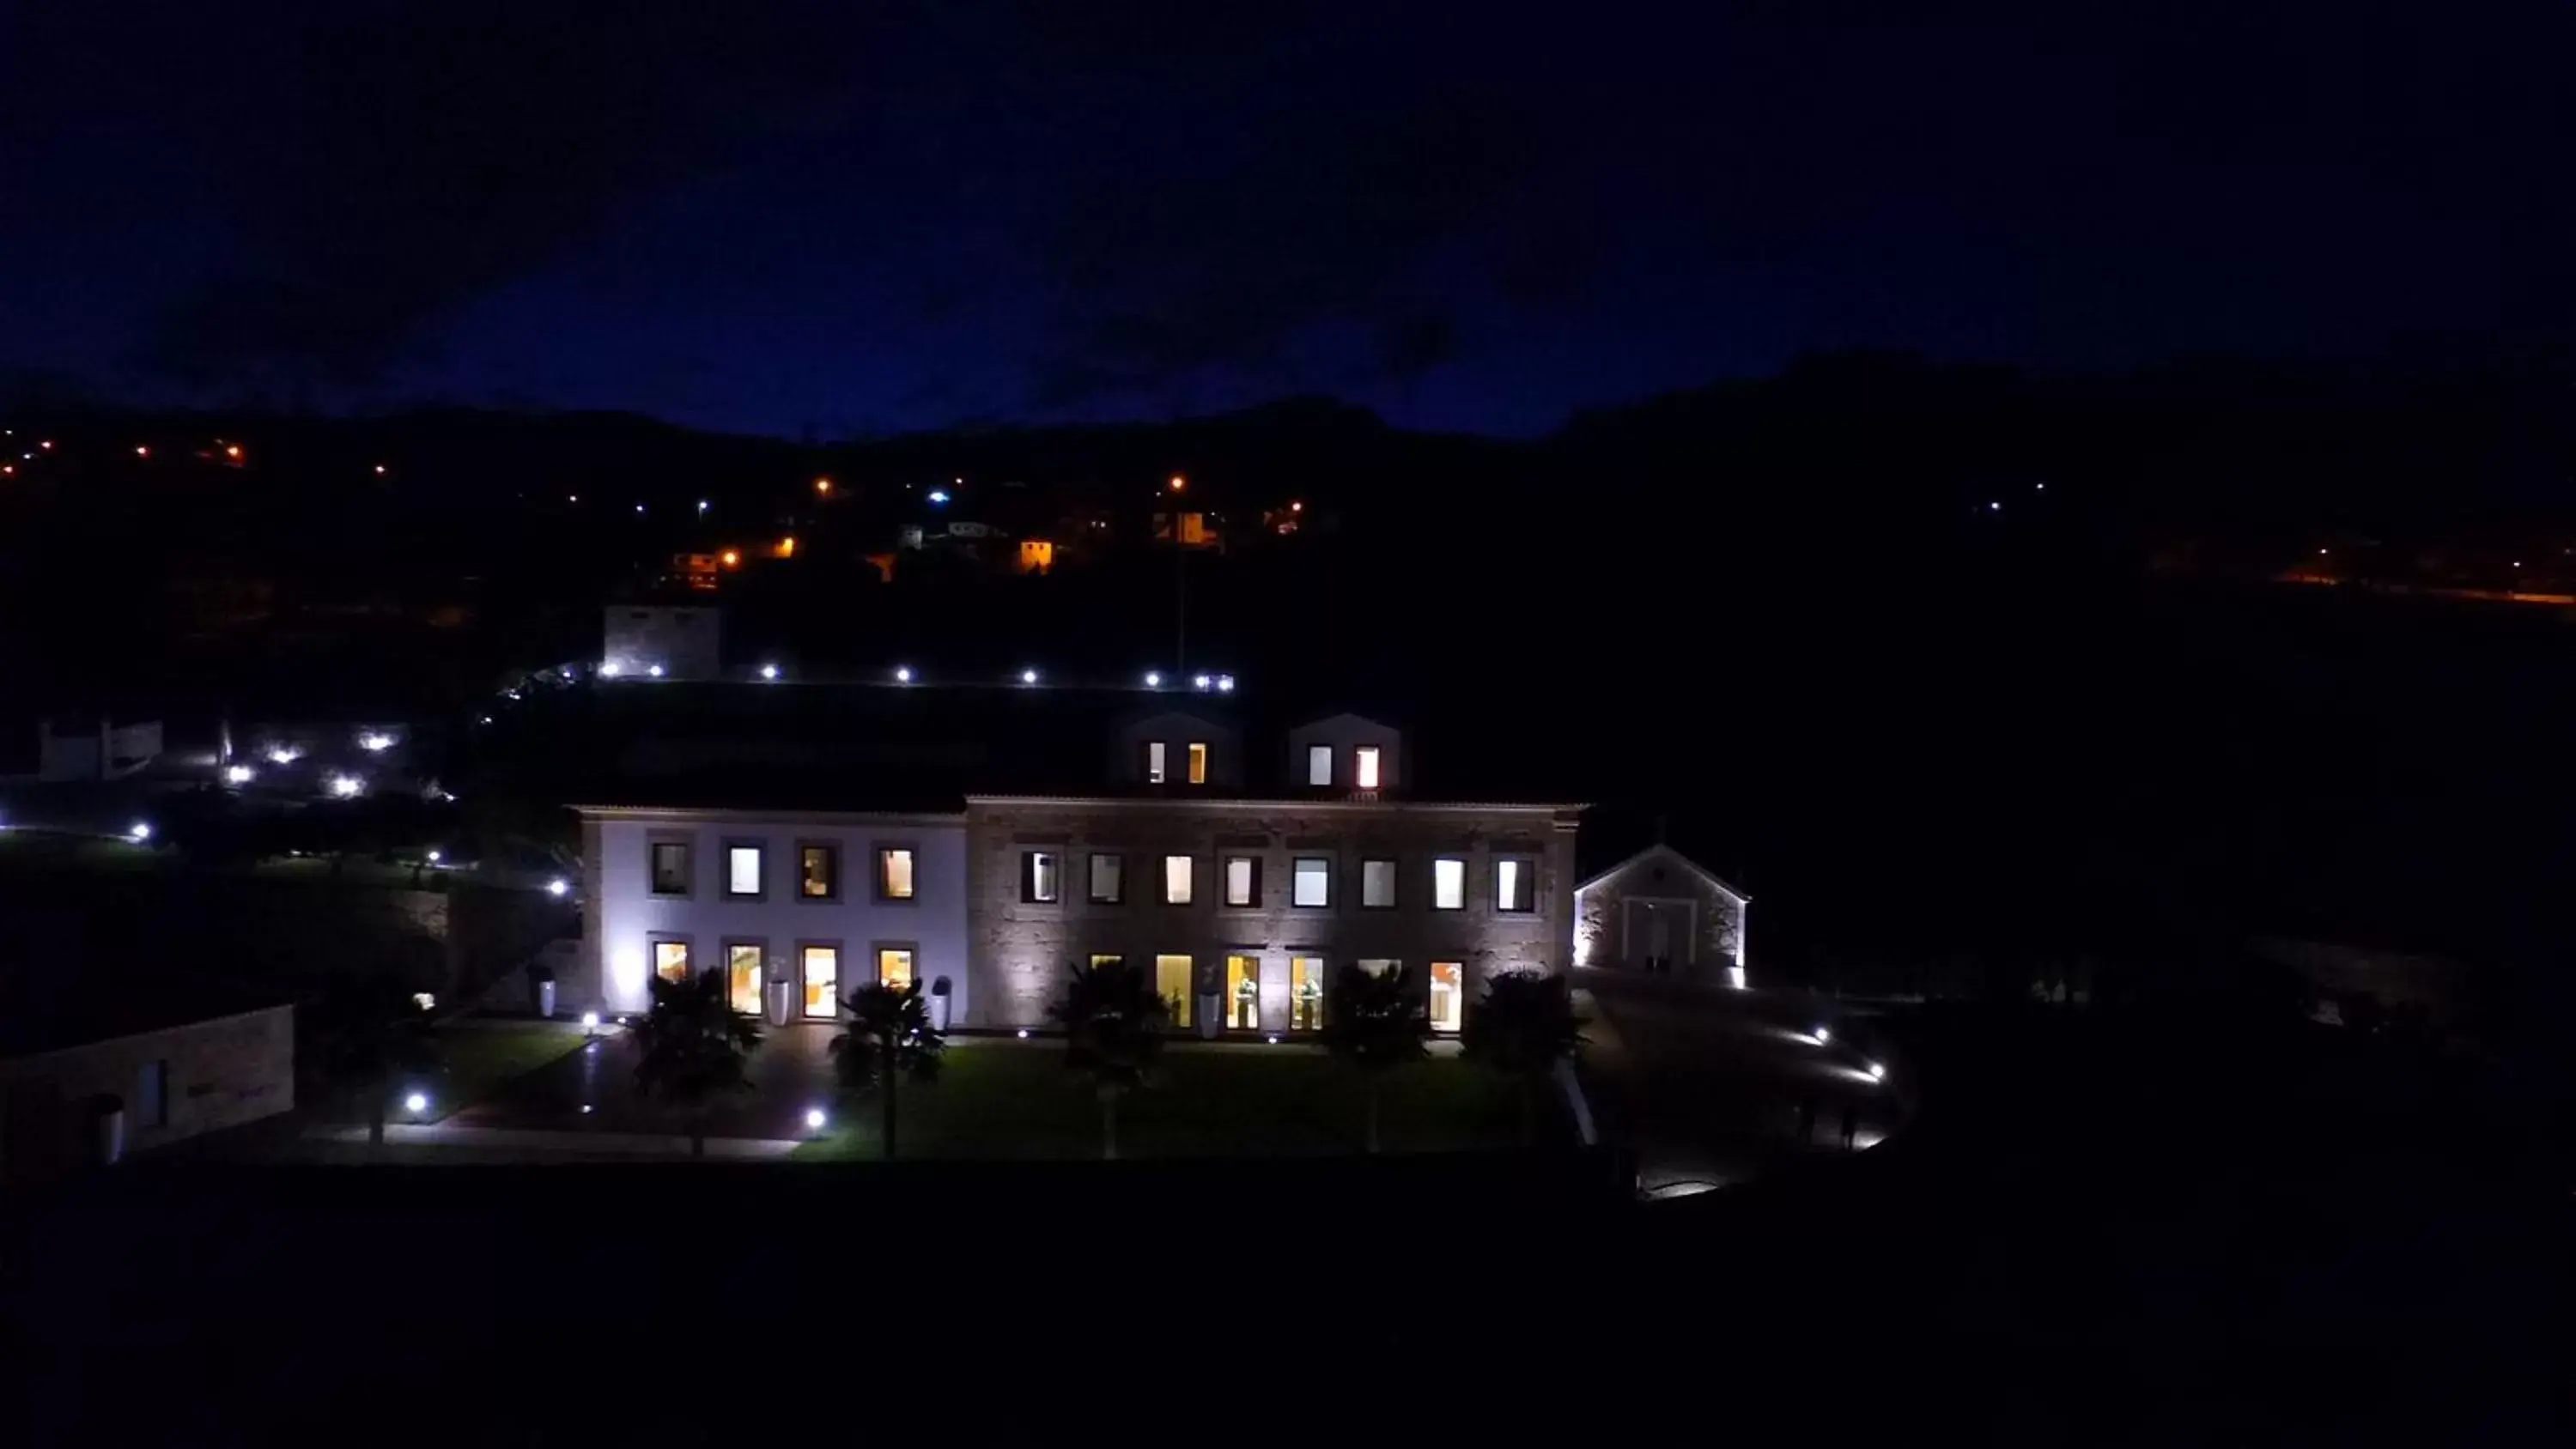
<point x="1019" y="950"/>
<point x="174" y="1082"/>
<point x="1657" y="910"/>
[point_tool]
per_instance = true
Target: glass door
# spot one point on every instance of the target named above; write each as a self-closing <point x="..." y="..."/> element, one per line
<point x="822" y="982"/>
<point x="1243" y="993"/>
<point x="742" y="977"/>
<point x="1305" y="993"/>
<point x="1172" y="981"/>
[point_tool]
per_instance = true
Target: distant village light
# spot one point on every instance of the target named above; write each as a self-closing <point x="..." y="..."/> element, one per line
<point x="1225" y="684"/>
<point x="558" y="887"/>
<point x="1199" y="681"/>
<point x="47" y="443"/>
<point x="609" y="668"/>
<point x="654" y="670"/>
<point x="903" y="674"/>
<point x="1028" y="676"/>
<point x="139" y="830"/>
<point x="814" y="1119"/>
<point x="141" y="451"/>
<point x="238" y="774"/>
<point x="823" y="487"/>
<point x="375" y="743"/>
<point x="1153" y="680"/>
<point x="702" y="506"/>
<point x="284" y="754"/>
<point x="232" y="450"/>
<point x="769" y="671"/>
<point x="435" y="857"/>
<point x="346" y="786"/>
<point x="1994" y="508"/>
<point x="380" y="470"/>
<point x="732" y="557"/>
<point x="1179" y="483"/>
<point x="1296" y="506"/>
<point x="938" y="495"/>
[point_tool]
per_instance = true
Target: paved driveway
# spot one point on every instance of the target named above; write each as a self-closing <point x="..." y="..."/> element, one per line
<point x="1707" y="1085"/>
<point x="593" y="1090"/>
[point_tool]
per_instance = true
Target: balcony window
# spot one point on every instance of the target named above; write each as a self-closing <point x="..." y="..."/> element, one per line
<point x="894" y="873"/>
<point x="818" y="872"/>
<point x="1377" y="885"/>
<point x="1449" y="884"/>
<point x="1313" y="882"/>
<point x="670" y="867"/>
<point x="743" y="869"/>
<point x="1038" y="883"/>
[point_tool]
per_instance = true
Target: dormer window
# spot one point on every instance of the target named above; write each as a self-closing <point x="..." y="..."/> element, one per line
<point x="1154" y="764"/>
<point x="1364" y="767"/>
<point x="1319" y="764"/>
<point x="1198" y="762"/>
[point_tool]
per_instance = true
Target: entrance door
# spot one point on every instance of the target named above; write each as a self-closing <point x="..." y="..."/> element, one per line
<point x="822" y="982"/>
<point x="1305" y="993"/>
<point x="742" y="977"/>
<point x="1243" y="993"/>
<point x="1657" y="934"/>
<point x="1172" y="982"/>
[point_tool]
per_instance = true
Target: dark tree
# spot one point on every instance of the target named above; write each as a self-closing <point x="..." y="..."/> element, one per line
<point x="1375" y="1022"/>
<point x="693" y="1048"/>
<point x="1522" y="1027"/>
<point x="366" y="1034"/>
<point x="1113" y="1022"/>
<point x="887" y="1038"/>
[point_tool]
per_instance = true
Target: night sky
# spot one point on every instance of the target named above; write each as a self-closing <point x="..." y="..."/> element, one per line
<point x="858" y="219"/>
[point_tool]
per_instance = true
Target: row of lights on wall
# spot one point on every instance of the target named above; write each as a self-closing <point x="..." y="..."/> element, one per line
<point x="904" y="674"/>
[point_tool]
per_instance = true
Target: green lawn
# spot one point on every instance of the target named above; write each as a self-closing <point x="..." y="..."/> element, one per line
<point x="1005" y="1100"/>
<point x="480" y="1058"/>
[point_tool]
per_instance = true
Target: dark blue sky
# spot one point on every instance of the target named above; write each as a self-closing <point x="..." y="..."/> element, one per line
<point x="854" y="218"/>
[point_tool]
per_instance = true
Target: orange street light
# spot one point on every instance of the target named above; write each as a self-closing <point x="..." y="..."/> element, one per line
<point x="141" y="451"/>
<point x="732" y="558"/>
<point x="787" y="546"/>
<point x="1296" y="507"/>
<point x="232" y="450"/>
<point x="823" y="487"/>
<point x="1179" y="482"/>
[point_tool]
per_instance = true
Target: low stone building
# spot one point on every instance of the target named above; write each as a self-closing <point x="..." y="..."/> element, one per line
<point x="144" y="1072"/>
<point x="1661" y="913"/>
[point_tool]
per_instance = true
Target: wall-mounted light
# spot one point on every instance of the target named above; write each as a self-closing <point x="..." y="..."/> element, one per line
<point x="1824" y="1034"/>
<point x="558" y="887"/>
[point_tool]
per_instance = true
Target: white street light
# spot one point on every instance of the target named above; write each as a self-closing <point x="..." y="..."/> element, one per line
<point x="1199" y="681"/>
<point x="1024" y="1033"/>
<point x="1028" y="676"/>
<point x="814" y="1119"/>
<point x="1225" y="684"/>
<point x="1153" y="680"/>
<point x="558" y="887"/>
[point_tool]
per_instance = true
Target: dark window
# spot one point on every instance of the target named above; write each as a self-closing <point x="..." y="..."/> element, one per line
<point x="1515" y="884"/>
<point x="1377" y="885"/>
<point x="670" y="867"/>
<point x="1108" y="880"/>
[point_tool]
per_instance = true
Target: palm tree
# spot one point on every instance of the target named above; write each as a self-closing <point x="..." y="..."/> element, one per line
<point x="1522" y="1027"/>
<point x="692" y="1046"/>
<point x="1375" y="1022"/>
<point x="888" y="1037"/>
<point x="366" y="1032"/>
<point x="1113" y="1022"/>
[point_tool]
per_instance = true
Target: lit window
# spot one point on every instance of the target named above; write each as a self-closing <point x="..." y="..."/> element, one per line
<point x="1305" y="993"/>
<point x="742" y="976"/>
<point x="818" y="872"/>
<point x="1038" y="875"/>
<point x="1153" y="762"/>
<point x="1377" y="885"/>
<point x="1242" y="880"/>
<point x="894" y="873"/>
<point x="1104" y="959"/>
<point x="742" y="870"/>
<point x="670" y="867"/>
<point x="671" y="960"/>
<point x="1319" y="764"/>
<point x="822" y="970"/>
<point x="1176" y="880"/>
<point x="1198" y="763"/>
<point x="1243" y="993"/>
<point x="1364" y="767"/>
<point x="1172" y="983"/>
<point x="1314" y="881"/>
<point x="1448" y="995"/>
<point x="1515" y="885"/>
<point x="894" y="966"/>
<point x="1448" y="884"/>
<point x="1108" y="880"/>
